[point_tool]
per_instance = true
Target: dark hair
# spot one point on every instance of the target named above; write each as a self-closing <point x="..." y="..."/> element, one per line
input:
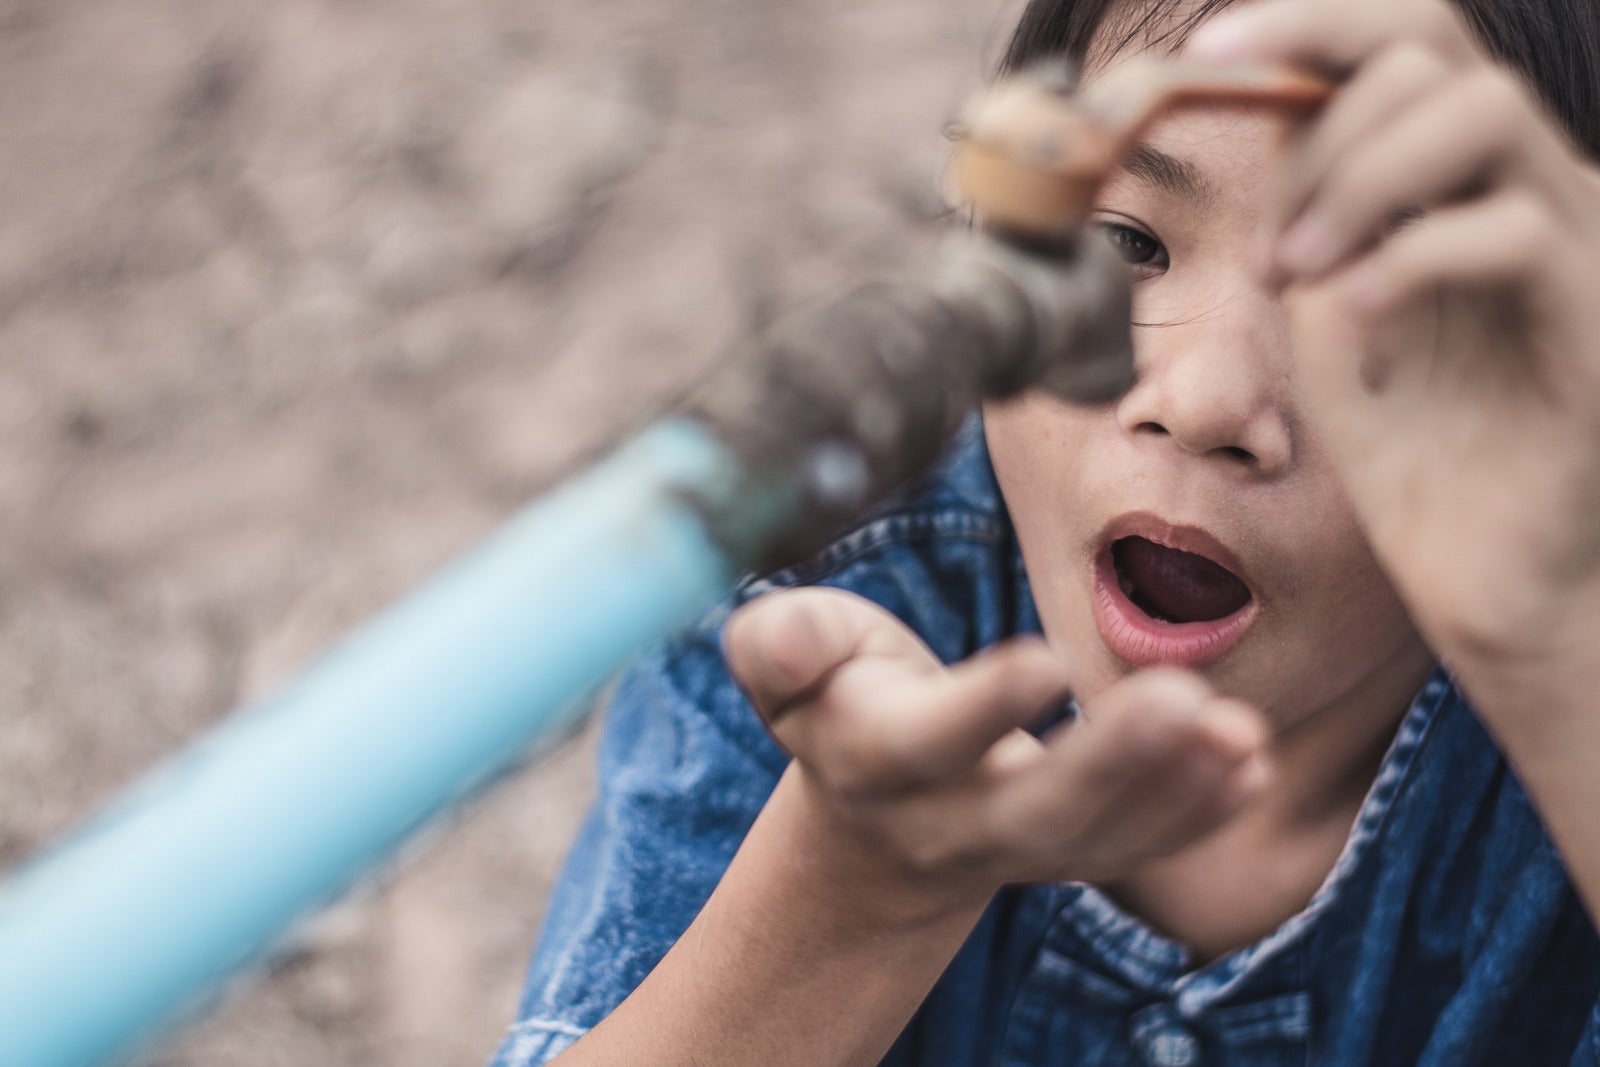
<point x="1554" y="45"/>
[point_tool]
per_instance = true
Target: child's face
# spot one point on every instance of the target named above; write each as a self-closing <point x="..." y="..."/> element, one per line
<point x="1209" y="453"/>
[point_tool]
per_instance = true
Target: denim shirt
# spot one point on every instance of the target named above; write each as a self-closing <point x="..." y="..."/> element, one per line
<point x="1447" y="932"/>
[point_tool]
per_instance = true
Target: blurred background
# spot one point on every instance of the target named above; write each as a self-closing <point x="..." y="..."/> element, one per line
<point x="299" y="299"/>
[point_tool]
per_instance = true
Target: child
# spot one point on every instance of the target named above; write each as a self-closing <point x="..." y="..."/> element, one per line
<point x="1365" y="438"/>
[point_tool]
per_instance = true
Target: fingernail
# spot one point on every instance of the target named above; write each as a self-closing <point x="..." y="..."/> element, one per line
<point x="1309" y="247"/>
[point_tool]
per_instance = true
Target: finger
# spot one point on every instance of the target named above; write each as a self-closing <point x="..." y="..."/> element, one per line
<point x="1459" y="139"/>
<point x="1140" y="811"/>
<point x="1141" y="730"/>
<point x="781" y="647"/>
<point x="1508" y="244"/>
<point x="1332" y="38"/>
<point x="1203" y="790"/>
<point x="1400" y="76"/>
<point x="876" y="730"/>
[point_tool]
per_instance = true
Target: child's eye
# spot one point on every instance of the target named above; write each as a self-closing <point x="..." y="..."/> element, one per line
<point x="1137" y="248"/>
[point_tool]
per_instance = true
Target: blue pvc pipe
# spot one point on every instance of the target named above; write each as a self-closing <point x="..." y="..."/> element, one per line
<point x="196" y="871"/>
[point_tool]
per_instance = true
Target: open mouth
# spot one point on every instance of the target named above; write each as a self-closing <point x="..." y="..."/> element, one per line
<point x="1155" y="604"/>
<point x="1173" y="586"/>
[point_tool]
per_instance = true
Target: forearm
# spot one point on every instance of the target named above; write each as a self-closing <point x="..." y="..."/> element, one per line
<point x="805" y="954"/>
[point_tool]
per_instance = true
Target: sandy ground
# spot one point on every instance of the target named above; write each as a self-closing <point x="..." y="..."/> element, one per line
<point x="299" y="299"/>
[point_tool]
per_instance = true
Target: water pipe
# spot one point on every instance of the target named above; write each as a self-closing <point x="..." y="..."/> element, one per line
<point x="194" y="873"/>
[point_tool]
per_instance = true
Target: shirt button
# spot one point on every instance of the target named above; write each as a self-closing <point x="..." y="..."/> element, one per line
<point x="1162" y="1040"/>
<point x="1171" y="1046"/>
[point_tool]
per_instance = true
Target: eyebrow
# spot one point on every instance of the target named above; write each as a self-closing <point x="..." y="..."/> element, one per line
<point x="1175" y="175"/>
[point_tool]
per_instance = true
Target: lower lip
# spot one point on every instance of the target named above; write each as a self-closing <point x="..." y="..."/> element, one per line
<point x="1135" y="637"/>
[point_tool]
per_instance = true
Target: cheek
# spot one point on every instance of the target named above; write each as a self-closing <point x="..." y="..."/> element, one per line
<point x="1345" y="613"/>
<point x="1037" y="445"/>
<point x="1018" y="438"/>
<point x="1330" y="618"/>
<point x="1046" y="454"/>
<point x="1361" y="605"/>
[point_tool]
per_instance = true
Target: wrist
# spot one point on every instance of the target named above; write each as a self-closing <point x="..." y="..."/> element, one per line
<point x="843" y="864"/>
<point x="1535" y="693"/>
<point x="1520" y="649"/>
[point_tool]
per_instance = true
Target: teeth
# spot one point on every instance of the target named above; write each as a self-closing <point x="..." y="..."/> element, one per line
<point x="1125" y="584"/>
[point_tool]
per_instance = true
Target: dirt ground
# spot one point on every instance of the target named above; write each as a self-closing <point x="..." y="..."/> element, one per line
<point x="299" y="299"/>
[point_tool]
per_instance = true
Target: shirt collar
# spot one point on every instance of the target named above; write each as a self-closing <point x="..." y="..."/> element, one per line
<point x="1148" y="960"/>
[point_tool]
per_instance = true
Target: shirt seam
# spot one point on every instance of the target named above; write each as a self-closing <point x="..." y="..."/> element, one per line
<point x="955" y="525"/>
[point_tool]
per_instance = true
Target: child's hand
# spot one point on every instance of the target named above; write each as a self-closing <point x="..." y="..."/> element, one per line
<point x="1440" y="237"/>
<point x="926" y="771"/>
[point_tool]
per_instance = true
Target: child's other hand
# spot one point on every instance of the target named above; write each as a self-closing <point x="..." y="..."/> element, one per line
<point x="924" y="773"/>
<point x="1440" y="239"/>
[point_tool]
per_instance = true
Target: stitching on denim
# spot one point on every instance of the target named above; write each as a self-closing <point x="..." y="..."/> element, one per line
<point x="1063" y="971"/>
<point x="1281" y="1018"/>
<point x="1096" y="920"/>
<point x="846" y="553"/>
<point x="901" y="528"/>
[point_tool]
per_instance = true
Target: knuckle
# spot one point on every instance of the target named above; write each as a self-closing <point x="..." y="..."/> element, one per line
<point x="846" y="778"/>
<point x="859" y="765"/>
<point x="1349" y="189"/>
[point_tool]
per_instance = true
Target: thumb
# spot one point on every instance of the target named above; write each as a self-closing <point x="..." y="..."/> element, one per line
<point x="783" y="647"/>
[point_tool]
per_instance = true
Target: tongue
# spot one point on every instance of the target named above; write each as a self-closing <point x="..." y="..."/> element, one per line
<point x="1177" y="586"/>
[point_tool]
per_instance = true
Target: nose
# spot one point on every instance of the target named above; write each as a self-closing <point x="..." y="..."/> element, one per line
<point x="1217" y="385"/>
